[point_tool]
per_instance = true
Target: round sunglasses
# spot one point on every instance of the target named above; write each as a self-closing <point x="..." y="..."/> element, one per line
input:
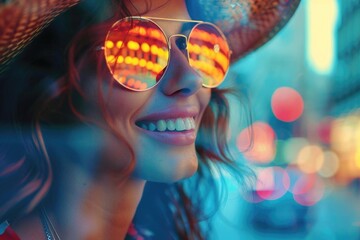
<point x="137" y="52"/>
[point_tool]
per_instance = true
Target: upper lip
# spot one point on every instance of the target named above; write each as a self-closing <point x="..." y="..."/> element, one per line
<point x="171" y="113"/>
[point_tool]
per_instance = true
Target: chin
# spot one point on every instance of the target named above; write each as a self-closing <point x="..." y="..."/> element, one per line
<point x="167" y="169"/>
<point x="180" y="175"/>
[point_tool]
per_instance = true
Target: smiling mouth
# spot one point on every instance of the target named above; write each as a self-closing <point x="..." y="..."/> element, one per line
<point x="168" y="125"/>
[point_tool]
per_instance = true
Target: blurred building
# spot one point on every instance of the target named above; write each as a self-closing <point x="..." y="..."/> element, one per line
<point x="345" y="95"/>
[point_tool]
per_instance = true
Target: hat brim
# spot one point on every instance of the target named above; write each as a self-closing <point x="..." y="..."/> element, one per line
<point x="247" y="24"/>
<point x="23" y="21"/>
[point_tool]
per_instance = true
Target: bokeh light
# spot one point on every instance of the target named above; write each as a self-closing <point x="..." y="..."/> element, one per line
<point x="287" y="104"/>
<point x="257" y="142"/>
<point x="321" y="25"/>
<point x="294" y="176"/>
<point x="342" y="134"/>
<point x="272" y="183"/>
<point x="324" y="130"/>
<point x="344" y="142"/>
<point x="330" y="165"/>
<point x="308" y="190"/>
<point x="292" y="148"/>
<point x="310" y="159"/>
<point x="357" y="157"/>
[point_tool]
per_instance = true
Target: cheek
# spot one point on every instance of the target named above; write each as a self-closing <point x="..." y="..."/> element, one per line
<point x="114" y="105"/>
<point x="123" y="105"/>
<point x="117" y="108"/>
<point x="204" y="96"/>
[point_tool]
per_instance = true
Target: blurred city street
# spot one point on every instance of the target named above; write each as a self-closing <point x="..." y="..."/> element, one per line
<point x="303" y="89"/>
<point x="335" y="216"/>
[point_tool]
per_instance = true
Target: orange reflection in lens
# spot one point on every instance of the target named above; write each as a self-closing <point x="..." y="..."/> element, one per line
<point x="120" y="59"/>
<point x="119" y="44"/>
<point x="133" y="45"/>
<point x="135" y="61"/>
<point x="110" y="59"/>
<point x="154" y="49"/>
<point x="130" y="82"/>
<point x="143" y="86"/>
<point x="145" y="47"/>
<point x="109" y="44"/>
<point x="208" y="54"/>
<point x="142" y="31"/>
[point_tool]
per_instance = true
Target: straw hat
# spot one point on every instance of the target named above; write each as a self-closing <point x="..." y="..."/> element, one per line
<point x="248" y="24"/>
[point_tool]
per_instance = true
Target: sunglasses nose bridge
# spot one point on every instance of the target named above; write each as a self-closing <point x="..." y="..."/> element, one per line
<point x="180" y="77"/>
<point x="178" y="42"/>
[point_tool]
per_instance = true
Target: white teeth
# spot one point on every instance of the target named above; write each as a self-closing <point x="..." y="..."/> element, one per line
<point x="170" y="124"/>
<point x="187" y="124"/>
<point x="192" y="124"/>
<point x="152" y="127"/>
<point x="178" y="124"/>
<point x="161" y="125"/>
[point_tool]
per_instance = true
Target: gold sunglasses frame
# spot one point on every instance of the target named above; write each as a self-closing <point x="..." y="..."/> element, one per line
<point x="151" y="19"/>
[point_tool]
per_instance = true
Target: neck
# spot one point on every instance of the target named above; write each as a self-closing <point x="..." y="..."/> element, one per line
<point x="99" y="209"/>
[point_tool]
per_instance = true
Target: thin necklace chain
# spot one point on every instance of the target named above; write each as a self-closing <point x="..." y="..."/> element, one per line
<point x="48" y="226"/>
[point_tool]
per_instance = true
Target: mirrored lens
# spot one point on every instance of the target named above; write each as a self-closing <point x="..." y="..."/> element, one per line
<point x="209" y="54"/>
<point x="136" y="53"/>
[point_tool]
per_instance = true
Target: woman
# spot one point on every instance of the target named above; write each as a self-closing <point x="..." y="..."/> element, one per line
<point x="138" y="105"/>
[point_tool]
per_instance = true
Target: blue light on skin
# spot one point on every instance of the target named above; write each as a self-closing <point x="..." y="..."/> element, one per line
<point x="321" y="29"/>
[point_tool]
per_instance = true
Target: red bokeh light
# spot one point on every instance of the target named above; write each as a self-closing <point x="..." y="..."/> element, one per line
<point x="324" y="129"/>
<point x="287" y="104"/>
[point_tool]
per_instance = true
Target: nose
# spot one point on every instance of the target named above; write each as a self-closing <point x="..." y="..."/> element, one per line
<point x="180" y="78"/>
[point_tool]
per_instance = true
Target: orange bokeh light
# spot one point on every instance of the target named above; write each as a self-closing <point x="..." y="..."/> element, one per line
<point x="257" y="143"/>
<point x="310" y="159"/>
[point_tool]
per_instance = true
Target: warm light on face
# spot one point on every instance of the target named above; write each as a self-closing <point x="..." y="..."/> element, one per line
<point x="321" y="21"/>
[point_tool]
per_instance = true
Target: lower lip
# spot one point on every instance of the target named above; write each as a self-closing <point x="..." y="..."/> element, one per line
<point x="174" y="138"/>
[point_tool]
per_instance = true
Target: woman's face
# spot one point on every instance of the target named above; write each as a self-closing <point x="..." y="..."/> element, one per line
<point x="178" y="100"/>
